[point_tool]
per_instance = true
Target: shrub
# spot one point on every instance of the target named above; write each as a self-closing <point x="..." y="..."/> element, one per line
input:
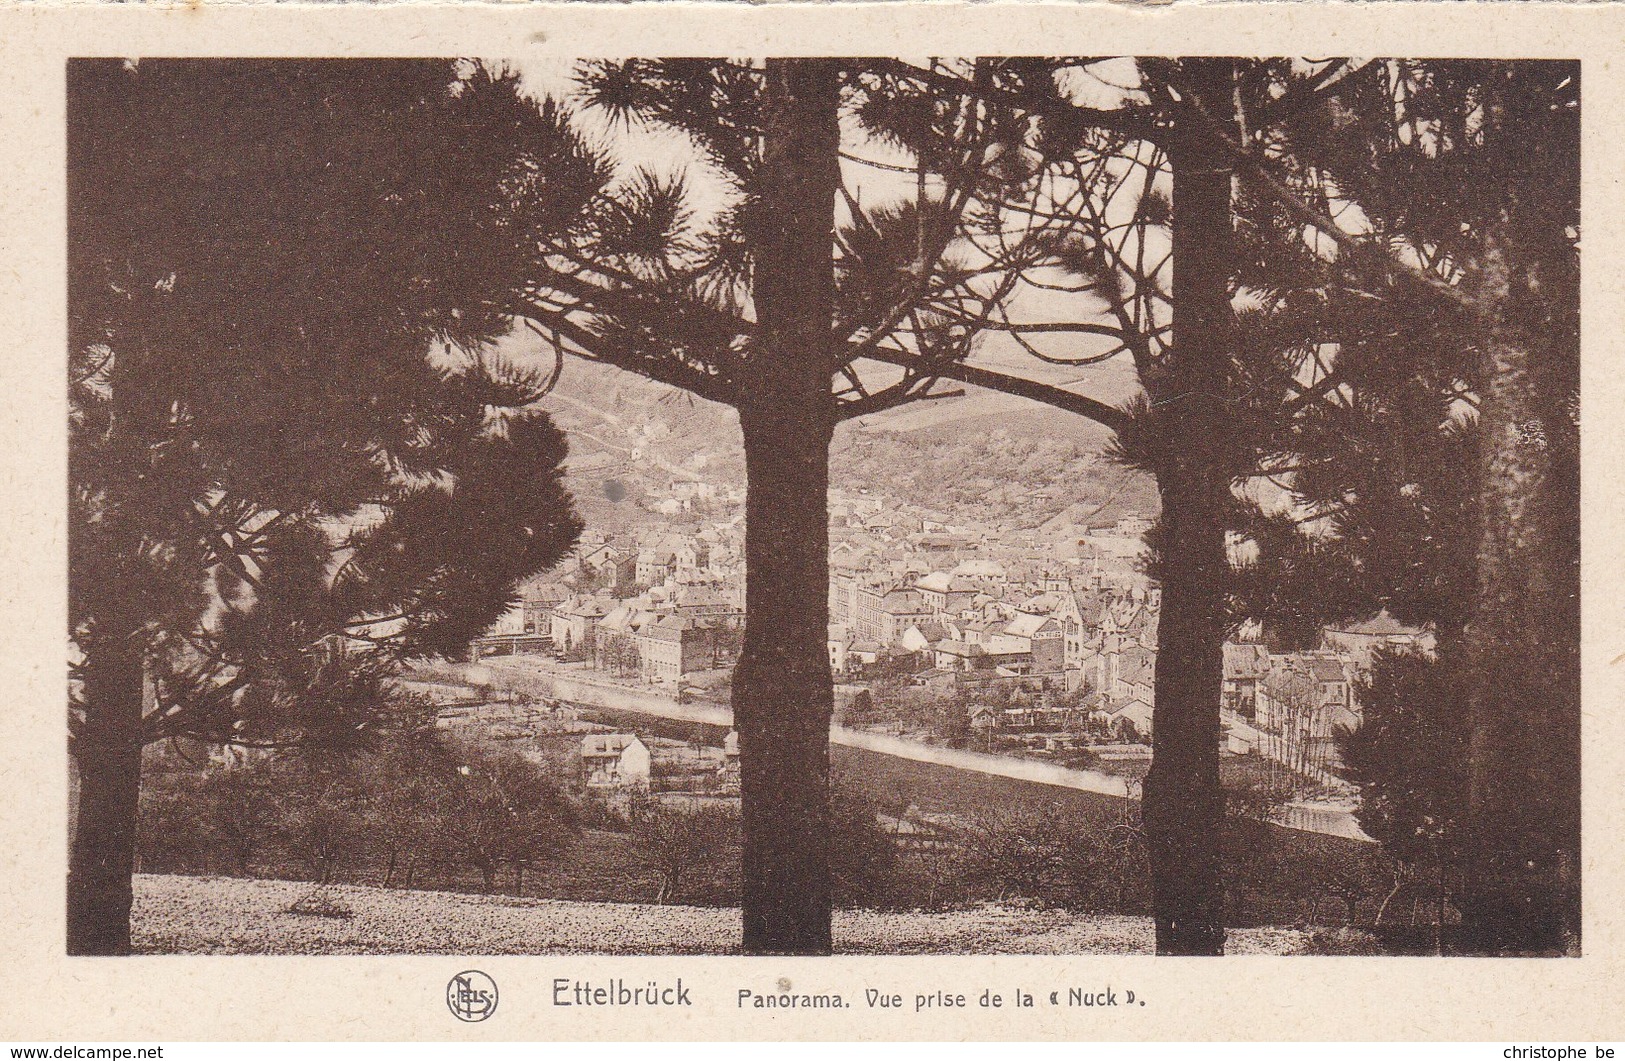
<point x="864" y="859"/>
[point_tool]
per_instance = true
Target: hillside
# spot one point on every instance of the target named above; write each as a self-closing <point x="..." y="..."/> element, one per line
<point x="981" y="458"/>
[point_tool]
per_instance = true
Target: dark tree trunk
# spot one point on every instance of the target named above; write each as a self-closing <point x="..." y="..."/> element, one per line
<point x="1184" y="804"/>
<point x="107" y="753"/>
<point x="1522" y="891"/>
<point x="782" y="691"/>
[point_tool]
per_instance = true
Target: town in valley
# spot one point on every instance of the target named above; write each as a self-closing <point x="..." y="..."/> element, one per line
<point x="1000" y="625"/>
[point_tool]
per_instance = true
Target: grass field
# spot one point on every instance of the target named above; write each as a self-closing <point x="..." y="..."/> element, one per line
<point x="225" y="915"/>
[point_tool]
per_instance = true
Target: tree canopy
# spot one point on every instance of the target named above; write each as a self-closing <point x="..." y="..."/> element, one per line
<point x="291" y="462"/>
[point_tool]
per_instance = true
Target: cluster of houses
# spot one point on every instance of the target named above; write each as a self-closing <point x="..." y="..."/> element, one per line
<point x="1287" y="707"/>
<point x="658" y="611"/>
<point x="1069" y="625"/>
<point x="1071" y="648"/>
<point x="1076" y="631"/>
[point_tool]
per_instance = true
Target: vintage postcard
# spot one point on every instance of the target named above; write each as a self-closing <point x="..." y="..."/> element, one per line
<point x="914" y="521"/>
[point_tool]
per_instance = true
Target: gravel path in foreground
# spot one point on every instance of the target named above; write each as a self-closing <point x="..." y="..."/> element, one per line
<point x="227" y="915"/>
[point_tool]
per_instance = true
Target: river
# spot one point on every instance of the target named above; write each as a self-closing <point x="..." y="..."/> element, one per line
<point x="591" y="689"/>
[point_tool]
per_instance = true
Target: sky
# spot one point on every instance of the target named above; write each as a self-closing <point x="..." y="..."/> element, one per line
<point x="668" y="152"/>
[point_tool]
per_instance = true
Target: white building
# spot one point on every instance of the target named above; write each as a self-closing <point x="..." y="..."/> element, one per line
<point x="615" y="760"/>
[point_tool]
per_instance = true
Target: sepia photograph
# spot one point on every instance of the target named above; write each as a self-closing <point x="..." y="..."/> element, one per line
<point x="1054" y="505"/>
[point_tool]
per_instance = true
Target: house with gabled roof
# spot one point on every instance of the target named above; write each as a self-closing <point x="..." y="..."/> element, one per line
<point x="1044" y="639"/>
<point x="1129" y="671"/>
<point x="712" y="603"/>
<point x="1130" y="718"/>
<point x="615" y="760"/>
<point x="944" y="593"/>
<point x="863" y="653"/>
<point x="837" y="637"/>
<point x="1359" y="641"/>
<point x="898" y="610"/>
<point x="574" y="623"/>
<point x="538" y="598"/>
<point x="615" y="644"/>
<point x="920" y="636"/>
<point x="958" y="655"/>
<point x="655" y="565"/>
<point x="1245" y="665"/>
<point x="983" y="717"/>
<point x="594" y="557"/>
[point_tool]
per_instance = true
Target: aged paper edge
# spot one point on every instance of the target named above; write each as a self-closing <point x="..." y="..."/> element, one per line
<point x="53" y="998"/>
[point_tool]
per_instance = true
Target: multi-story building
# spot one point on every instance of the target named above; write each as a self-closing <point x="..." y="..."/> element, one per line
<point x="672" y="647"/>
<point x="655" y="565"/>
<point x="574" y="622"/>
<point x="946" y="594"/>
<point x="1044" y="638"/>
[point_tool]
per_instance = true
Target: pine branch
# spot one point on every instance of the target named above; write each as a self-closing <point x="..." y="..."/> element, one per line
<point x="668" y="370"/>
<point x="1123" y="122"/>
<point x="1360" y="251"/>
<point x="1106" y="415"/>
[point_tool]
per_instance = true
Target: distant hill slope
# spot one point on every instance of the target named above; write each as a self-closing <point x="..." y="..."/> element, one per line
<point x="982" y="412"/>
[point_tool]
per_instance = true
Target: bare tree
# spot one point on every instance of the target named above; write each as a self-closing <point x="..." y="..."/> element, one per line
<point x="681" y="841"/>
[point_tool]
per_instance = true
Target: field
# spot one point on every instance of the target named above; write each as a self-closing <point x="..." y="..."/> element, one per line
<point x="224" y="915"/>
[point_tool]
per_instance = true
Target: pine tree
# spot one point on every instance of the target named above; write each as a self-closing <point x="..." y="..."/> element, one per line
<point x="770" y="309"/>
<point x="1094" y="218"/>
<point x="1183" y="800"/>
<point x="1472" y="167"/>
<point x="1232" y="355"/>
<point x="285" y="442"/>
<point x="1409" y="756"/>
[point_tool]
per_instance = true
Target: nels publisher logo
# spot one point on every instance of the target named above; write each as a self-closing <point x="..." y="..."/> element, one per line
<point x="472" y="996"/>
